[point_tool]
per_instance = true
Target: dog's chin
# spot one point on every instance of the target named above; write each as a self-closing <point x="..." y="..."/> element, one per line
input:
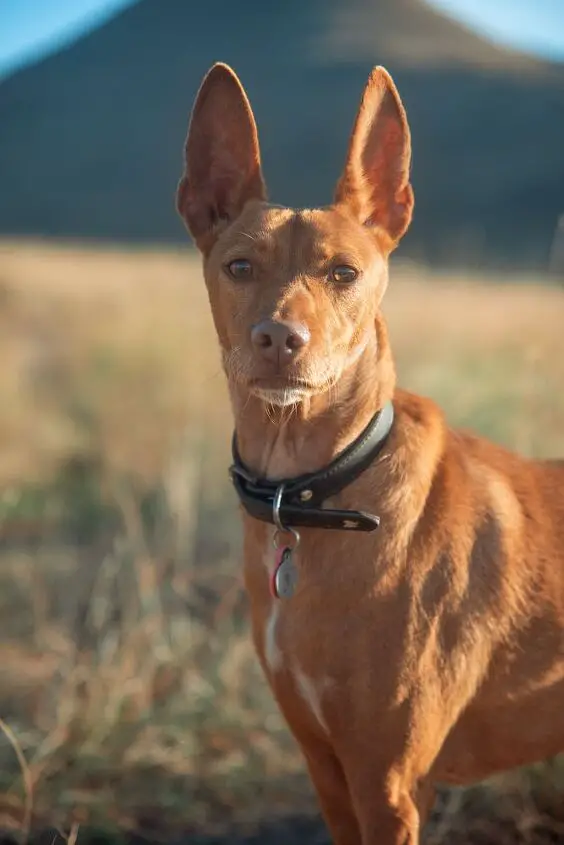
<point x="281" y="397"/>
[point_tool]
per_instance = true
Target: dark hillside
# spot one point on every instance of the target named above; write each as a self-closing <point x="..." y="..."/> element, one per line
<point x="91" y="137"/>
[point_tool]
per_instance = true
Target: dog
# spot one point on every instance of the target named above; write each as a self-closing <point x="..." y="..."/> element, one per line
<point x="406" y="580"/>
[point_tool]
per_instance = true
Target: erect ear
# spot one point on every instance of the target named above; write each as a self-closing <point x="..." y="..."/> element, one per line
<point x="222" y="157"/>
<point x="374" y="186"/>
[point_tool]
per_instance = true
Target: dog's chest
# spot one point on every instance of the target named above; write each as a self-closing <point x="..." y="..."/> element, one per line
<point x="330" y="576"/>
<point x="286" y="626"/>
<point x="282" y="570"/>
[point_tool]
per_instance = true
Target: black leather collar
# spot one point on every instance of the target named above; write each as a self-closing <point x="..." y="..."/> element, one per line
<point x="301" y="498"/>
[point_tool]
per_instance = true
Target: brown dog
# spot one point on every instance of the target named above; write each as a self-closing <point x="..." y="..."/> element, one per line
<point x="430" y="648"/>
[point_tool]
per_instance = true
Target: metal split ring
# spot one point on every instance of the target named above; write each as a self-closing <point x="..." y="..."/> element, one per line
<point x="277" y="542"/>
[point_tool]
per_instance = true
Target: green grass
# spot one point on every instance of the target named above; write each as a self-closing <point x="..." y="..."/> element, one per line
<point x="127" y="676"/>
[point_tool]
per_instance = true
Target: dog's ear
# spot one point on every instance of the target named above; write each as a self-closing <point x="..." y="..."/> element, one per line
<point x="375" y="186"/>
<point x="222" y="157"/>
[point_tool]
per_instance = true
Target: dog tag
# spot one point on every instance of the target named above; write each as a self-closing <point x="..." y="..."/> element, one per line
<point x="285" y="575"/>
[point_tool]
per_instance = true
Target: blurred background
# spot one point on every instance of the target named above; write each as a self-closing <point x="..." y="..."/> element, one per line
<point x="131" y="703"/>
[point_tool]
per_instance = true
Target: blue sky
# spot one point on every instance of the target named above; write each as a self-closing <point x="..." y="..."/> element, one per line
<point x="31" y="28"/>
<point x="536" y="26"/>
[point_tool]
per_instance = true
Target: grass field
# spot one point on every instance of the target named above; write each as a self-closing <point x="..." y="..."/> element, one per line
<point x="127" y="680"/>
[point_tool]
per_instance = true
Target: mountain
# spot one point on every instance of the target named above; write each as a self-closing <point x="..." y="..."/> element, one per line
<point x="91" y="137"/>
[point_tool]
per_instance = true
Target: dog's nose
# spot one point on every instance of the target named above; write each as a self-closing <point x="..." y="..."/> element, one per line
<point x="279" y="341"/>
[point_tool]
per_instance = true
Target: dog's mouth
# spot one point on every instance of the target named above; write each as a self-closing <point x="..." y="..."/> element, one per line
<point x="281" y="391"/>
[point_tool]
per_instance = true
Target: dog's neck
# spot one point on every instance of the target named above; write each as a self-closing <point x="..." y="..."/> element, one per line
<point x="284" y="442"/>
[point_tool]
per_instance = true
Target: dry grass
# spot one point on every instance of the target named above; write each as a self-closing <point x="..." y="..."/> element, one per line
<point x="126" y="673"/>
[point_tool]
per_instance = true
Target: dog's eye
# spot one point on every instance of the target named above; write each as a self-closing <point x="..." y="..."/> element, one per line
<point x="343" y="274"/>
<point x="240" y="268"/>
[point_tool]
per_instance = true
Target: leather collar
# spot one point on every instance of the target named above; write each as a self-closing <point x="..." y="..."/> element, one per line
<point x="300" y="499"/>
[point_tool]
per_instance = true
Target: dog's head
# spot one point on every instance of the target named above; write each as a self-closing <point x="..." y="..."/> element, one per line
<point x="294" y="293"/>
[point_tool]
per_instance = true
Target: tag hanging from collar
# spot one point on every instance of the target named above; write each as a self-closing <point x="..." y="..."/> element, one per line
<point x="284" y="577"/>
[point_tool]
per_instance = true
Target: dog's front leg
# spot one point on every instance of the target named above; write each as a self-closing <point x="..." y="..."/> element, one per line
<point x="324" y="768"/>
<point x="369" y="802"/>
<point x="333" y="794"/>
<point x="390" y="811"/>
<point x="387" y="762"/>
